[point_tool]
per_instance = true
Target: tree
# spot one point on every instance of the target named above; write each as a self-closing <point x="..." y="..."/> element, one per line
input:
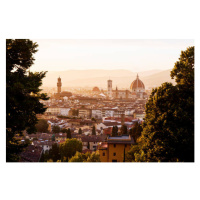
<point x="124" y="130"/>
<point x="93" y="130"/>
<point x="78" y="157"/>
<point x="88" y="146"/>
<point x="64" y="130"/>
<point x="22" y="94"/>
<point x="168" y="130"/>
<point x="56" y="129"/>
<point x="42" y="126"/>
<point x="80" y="131"/>
<point x="87" y="157"/>
<point x="69" y="133"/>
<point x="69" y="148"/>
<point x="53" y="137"/>
<point x="93" y="119"/>
<point x="54" y="153"/>
<point x="114" y="131"/>
<point x="136" y="131"/>
<point x="95" y="157"/>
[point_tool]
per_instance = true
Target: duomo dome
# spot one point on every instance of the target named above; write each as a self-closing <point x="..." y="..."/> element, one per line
<point x="137" y="85"/>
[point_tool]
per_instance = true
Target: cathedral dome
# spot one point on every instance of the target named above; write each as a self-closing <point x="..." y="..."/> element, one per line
<point x="96" y="89"/>
<point x="137" y="84"/>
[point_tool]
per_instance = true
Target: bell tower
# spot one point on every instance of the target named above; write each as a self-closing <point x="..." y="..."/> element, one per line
<point x="59" y="84"/>
<point x="110" y="88"/>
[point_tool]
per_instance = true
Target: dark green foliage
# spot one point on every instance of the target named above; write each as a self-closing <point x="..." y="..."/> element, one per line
<point x="27" y="142"/>
<point x="168" y="131"/>
<point x="136" y="131"/>
<point x="80" y="131"/>
<point x="93" y="119"/>
<point x="53" y="137"/>
<point x="78" y="157"/>
<point x="94" y="157"/>
<point x="93" y="130"/>
<point x="133" y="155"/>
<point x="44" y="157"/>
<point x="64" y="130"/>
<point x="22" y="94"/>
<point x="42" y="126"/>
<point x="54" y="153"/>
<point x="69" y="133"/>
<point x="114" y="131"/>
<point x="56" y="129"/>
<point x="124" y="130"/>
<point x="69" y="148"/>
<point x="87" y="157"/>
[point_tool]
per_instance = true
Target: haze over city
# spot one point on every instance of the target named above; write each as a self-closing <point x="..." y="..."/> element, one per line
<point x="88" y="63"/>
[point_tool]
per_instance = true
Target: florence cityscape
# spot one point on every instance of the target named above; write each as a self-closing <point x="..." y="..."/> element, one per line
<point x="103" y="102"/>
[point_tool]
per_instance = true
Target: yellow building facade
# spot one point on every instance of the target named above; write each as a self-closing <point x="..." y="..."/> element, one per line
<point x="115" y="148"/>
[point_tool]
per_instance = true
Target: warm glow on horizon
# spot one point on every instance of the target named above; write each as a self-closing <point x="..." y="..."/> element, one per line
<point x="135" y="55"/>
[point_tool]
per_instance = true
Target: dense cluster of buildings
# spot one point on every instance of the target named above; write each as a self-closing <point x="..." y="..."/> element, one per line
<point x="97" y="108"/>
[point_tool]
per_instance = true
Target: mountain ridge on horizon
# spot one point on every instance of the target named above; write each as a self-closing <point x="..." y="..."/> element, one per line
<point x="89" y="78"/>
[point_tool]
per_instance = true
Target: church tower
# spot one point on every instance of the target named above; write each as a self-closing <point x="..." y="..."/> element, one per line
<point x="110" y="88"/>
<point x="59" y="84"/>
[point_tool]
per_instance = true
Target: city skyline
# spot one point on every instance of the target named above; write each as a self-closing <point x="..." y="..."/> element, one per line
<point x="135" y="55"/>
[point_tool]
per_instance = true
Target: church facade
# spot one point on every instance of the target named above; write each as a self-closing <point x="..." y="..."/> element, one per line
<point x="137" y="90"/>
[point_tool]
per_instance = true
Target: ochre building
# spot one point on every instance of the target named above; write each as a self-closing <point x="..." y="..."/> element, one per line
<point x="115" y="148"/>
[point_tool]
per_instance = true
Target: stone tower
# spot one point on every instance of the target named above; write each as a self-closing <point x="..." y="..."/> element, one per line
<point x="109" y="88"/>
<point x="59" y="84"/>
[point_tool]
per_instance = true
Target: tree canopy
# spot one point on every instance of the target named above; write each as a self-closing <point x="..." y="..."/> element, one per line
<point x="168" y="130"/>
<point x="87" y="157"/>
<point x="69" y="148"/>
<point x="114" y="131"/>
<point x="135" y="132"/>
<point x="80" y="131"/>
<point x="56" y="129"/>
<point x="93" y="130"/>
<point x="69" y="133"/>
<point x="124" y="130"/>
<point x="22" y="94"/>
<point x="42" y="126"/>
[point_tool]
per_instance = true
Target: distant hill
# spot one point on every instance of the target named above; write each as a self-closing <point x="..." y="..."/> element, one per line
<point x="157" y="79"/>
<point x="82" y="78"/>
<point x="122" y="82"/>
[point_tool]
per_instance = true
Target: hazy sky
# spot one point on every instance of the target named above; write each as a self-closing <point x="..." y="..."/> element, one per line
<point x="135" y="55"/>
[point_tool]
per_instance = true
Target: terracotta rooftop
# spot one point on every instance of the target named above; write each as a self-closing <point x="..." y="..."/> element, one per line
<point x="31" y="154"/>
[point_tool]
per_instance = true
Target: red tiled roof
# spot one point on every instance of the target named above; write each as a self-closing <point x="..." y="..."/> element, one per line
<point x="103" y="145"/>
<point x="31" y="154"/>
<point x="107" y="131"/>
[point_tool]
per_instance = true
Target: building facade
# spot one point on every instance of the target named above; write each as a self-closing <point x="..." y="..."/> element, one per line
<point x="115" y="148"/>
<point x="137" y="90"/>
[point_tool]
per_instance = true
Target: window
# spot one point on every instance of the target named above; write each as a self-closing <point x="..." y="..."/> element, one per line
<point x="103" y="153"/>
<point x="114" y="145"/>
<point x="114" y="154"/>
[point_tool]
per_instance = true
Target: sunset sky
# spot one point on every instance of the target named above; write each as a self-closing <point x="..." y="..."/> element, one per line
<point x="134" y="55"/>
